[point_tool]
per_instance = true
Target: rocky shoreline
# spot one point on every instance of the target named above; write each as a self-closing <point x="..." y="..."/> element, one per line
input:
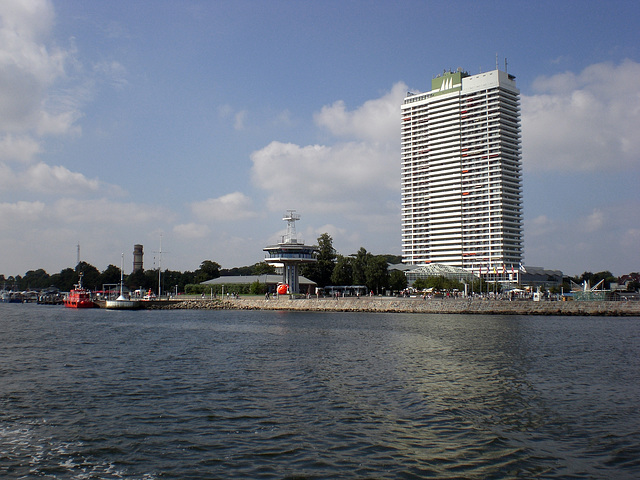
<point x="412" y="305"/>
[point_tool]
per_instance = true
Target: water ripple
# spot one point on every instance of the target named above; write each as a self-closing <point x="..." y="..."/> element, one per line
<point x="200" y="395"/>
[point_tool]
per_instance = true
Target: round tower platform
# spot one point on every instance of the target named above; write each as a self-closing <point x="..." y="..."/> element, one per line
<point x="290" y="253"/>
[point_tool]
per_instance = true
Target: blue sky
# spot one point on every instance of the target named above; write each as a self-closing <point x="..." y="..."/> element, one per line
<point x="201" y="122"/>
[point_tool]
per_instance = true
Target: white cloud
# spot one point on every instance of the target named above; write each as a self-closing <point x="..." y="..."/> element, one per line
<point x="346" y="177"/>
<point x="351" y="176"/>
<point x="21" y="148"/>
<point x="233" y="206"/>
<point x="13" y="213"/>
<point x="59" y="123"/>
<point x="28" y="67"/>
<point x="225" y="110"/>
<point x="599" y="239"/>
<point x="595" y="221"/>
<point x="284" y="118"/>
<point x="354" y="181"/>
<point x="541" y="225"/>
<point x="583" y="122"/>
<point x="239" y="117"/>
<point x="376" y="120"/>
<point x="238" y="124"/>
<point x="112" y="71"/>
<point x="42" y="178"/>
<point x="105" y="211"/>
<point x="332" y="230"/>
<point x="29" y="19"/>
<point x="37" y="99"/>
<point x="190" y="231"/>
<point x="44" y="235"/>
<point x="630" y="239"/>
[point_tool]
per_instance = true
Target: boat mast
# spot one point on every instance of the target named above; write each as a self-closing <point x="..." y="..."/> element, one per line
<point x="121" y="273"/>
<point x="159" y="265"/>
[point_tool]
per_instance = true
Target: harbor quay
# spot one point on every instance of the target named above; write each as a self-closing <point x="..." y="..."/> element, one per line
<point x="412" y="305"/>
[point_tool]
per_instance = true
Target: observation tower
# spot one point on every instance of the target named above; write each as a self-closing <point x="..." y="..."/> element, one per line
<point x="290" y="253"/>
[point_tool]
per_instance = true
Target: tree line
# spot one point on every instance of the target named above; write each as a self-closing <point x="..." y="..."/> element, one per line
<point x="330" y="268"/>
<point x="362" y="268"/>
<point x="95" y="280"/>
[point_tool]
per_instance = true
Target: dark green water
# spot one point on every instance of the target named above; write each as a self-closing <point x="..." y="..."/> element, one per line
<point x="99" y="394"/>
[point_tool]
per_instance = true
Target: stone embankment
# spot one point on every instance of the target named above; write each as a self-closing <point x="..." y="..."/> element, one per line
<point x="415" y="305"/>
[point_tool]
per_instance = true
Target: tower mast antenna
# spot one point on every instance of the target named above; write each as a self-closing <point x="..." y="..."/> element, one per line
<point x="159" y="266"/>
<point x="160" y="252"/>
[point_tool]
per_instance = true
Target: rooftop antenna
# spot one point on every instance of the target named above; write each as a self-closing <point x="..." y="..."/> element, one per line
<point x="496" y="61"/>
<point x="505" y="65"/>
<point x="291" y="216"/>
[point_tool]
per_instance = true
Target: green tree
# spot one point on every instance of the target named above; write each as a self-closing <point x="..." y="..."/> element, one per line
<point x="263" y="268"/>
<point x="343" y="271"/>
<point x="420" y="284"/>
<point x="35" y="279"/>
<point x="321" y="270"/>
<point x="110" y="275"/>
<point x="607" y="276"/>
<point x="585" y="277"/>
<point x="90" y="276"/>
<point x="633" y="286"/>
<point x="397" y="280"/>
<point x="594" y="278"/>
<point x="360" y="261"/>
<point x="376" y="272"/>
<point x="208" y="271"/>
<point x="258" y="288"/>
<point x="172" y="280"/>
<point x="226" y="272"/>
<point x="151" y="280"/>
<point x="65" y="279"/>
<point x="137" y="280"/>
<point x="393" y="259"/>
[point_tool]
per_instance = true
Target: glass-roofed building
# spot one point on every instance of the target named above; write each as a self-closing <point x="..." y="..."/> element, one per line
<point x="439" y="270"/>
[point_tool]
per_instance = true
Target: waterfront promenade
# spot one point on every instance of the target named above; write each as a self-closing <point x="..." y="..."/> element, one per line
<point x="415" y="305"/>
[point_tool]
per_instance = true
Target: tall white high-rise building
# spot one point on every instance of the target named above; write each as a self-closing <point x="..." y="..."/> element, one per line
<point x="462" y="173"/>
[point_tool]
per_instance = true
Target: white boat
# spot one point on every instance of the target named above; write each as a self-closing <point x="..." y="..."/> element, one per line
<point x="122" y="303"/>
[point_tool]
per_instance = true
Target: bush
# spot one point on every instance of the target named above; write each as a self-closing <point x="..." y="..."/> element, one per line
<point x="197" y="289"/>
<point x="258" y="288"/>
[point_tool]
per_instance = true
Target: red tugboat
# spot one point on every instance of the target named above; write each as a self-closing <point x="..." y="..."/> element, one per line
<point x="79" y="297"/>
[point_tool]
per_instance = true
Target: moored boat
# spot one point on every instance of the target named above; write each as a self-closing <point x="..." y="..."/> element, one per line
<point x="79" y="297"/>
<point x="10" y="297"/>
<point x="122" y="303"/>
